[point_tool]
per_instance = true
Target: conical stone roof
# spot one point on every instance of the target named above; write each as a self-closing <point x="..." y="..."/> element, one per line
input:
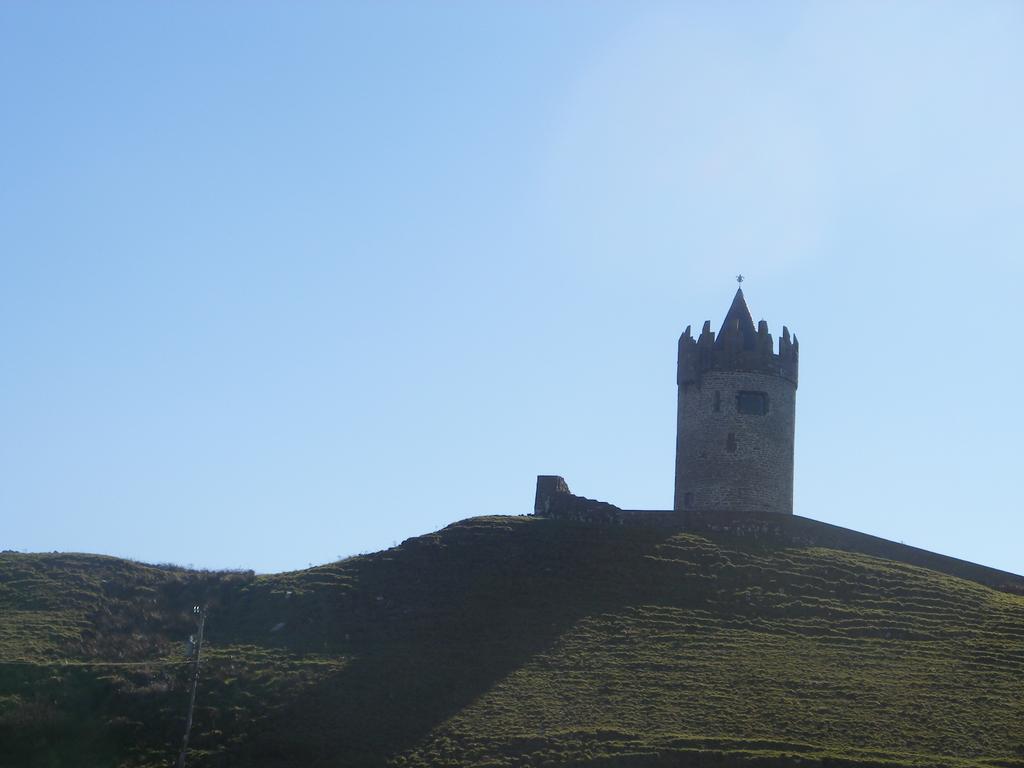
<point x="738" y="321"/>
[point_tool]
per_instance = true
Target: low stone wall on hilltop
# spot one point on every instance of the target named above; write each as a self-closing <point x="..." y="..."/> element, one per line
<point x="555" y="500"/>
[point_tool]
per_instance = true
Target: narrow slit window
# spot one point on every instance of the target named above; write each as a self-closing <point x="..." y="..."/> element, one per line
<point x="718" y="401"/>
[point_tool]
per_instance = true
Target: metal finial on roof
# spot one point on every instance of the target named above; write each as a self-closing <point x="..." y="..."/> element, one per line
<point x="739" y="278"/>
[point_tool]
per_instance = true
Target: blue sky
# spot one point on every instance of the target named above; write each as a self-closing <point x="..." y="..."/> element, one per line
<point x="285" y="282"/>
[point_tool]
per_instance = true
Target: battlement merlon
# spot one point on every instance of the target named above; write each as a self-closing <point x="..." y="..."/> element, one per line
<point x="734" y="350"/>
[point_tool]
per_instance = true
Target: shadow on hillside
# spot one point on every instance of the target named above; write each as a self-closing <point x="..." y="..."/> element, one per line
<point x="437" y="623"/>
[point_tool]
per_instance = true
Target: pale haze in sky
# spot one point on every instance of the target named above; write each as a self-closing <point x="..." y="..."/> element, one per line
<point x="286" y="282"/>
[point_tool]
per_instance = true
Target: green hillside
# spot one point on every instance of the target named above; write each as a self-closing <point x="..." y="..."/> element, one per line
<point x="516" y="641"/>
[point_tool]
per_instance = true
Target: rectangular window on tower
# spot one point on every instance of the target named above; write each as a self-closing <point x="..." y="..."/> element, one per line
<point x="752" y="403"/>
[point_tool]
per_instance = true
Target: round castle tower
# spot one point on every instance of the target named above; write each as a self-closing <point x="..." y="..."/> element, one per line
<point x="736" y="418"/>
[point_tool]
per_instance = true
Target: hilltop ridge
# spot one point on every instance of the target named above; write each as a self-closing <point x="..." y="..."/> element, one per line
<point x="554" y="499"/>
<point x="518" y="641"/>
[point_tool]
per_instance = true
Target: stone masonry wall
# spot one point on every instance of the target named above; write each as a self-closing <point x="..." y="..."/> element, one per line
<point x="727" y="460"/>
<point x="554" y="500"/>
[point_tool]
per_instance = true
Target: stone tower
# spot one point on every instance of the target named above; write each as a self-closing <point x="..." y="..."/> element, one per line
<point x="737" y="409"/>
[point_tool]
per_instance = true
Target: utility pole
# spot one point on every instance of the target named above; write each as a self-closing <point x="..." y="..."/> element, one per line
<point x="195" y="683"/>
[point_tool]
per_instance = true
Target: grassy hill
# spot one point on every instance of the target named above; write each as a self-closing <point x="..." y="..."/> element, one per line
<point x="512" y="641"/>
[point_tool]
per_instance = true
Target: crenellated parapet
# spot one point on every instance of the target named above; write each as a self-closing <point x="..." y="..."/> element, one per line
<point x="737" y="348"/>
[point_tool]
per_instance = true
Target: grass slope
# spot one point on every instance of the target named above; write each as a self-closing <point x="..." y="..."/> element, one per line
<point x="512" y="641"/>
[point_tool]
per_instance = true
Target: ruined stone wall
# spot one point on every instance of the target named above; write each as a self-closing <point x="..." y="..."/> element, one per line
<point x="555" y="500"/>
<point x="732" y="461"/>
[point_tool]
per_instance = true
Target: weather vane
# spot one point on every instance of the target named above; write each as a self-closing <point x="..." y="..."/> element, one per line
<point x="739" y="278"/>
